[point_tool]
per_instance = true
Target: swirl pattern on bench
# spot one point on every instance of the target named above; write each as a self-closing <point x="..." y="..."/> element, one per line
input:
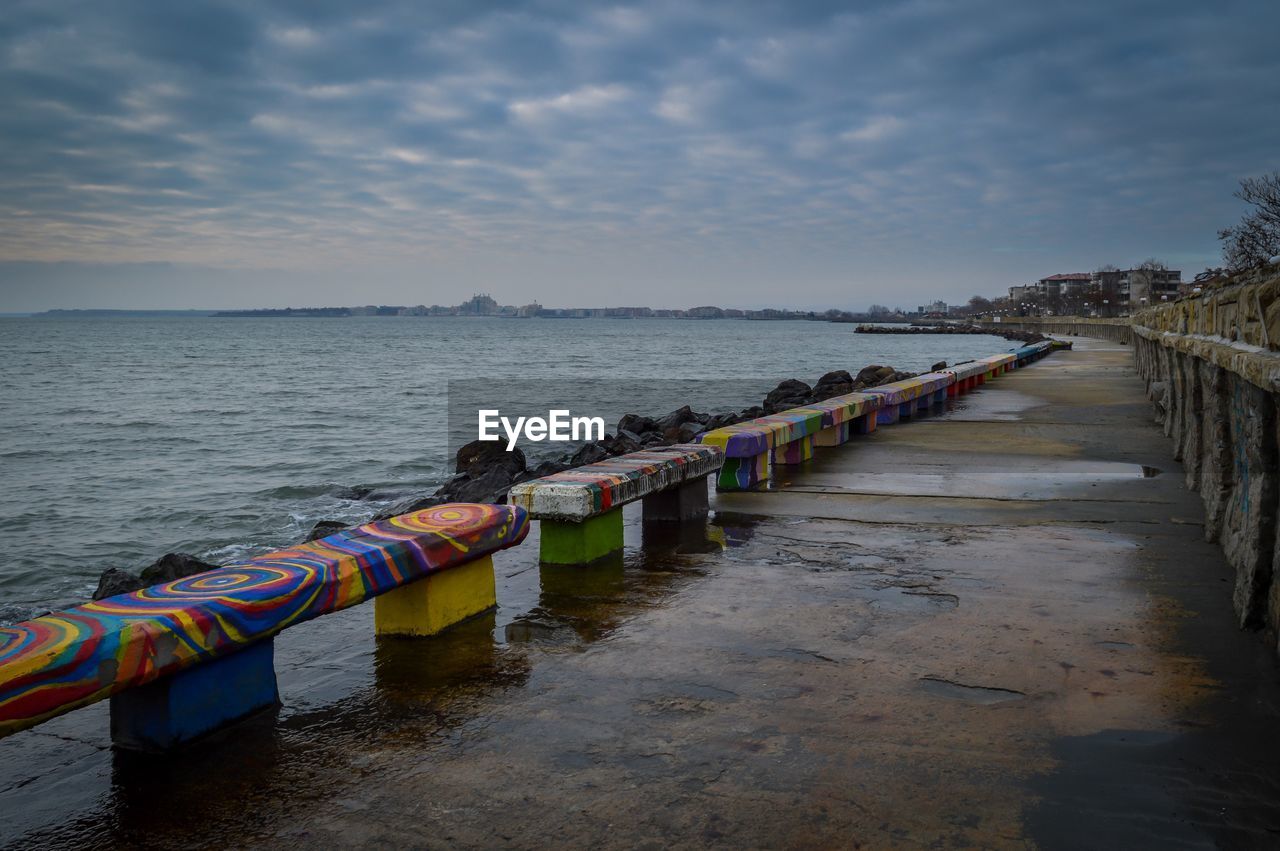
<point x="68" y="659"/>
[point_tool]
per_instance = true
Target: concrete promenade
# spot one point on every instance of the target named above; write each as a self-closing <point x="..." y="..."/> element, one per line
<point x="997" y="626"/>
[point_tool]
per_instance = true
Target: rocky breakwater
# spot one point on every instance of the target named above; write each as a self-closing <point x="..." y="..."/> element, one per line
<point x="1212" y="367"/>
<point x="1021" y="335"/>
<point x="484" y="471"/>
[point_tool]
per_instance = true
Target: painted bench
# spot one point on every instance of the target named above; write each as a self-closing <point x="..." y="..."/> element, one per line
<point x="788" y="437"/>
<point x="183" y="658"/>
<point x="902" y="399"/>
<point x="1032" y="353"/>
<point x="967" y="375"/>
<point x="580" y="510"/>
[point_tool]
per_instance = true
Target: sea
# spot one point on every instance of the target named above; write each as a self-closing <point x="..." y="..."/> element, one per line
<point x="125" y="438"/>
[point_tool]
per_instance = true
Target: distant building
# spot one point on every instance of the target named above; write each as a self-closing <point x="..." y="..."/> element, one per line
<point x="938" y="307"/>
<point x="478" y="305"/>
<point x="704" y="312"/>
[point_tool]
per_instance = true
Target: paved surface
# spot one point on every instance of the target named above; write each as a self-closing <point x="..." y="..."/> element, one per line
<point x="997" y="627"/>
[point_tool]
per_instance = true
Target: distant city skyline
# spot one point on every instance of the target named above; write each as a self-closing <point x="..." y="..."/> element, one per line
<point x="227" y="155"/>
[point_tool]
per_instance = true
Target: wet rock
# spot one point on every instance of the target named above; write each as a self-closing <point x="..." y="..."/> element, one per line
<point x="621" y="445"/>
<point x="630" y="435"/>
<point x="869" y="375"/>
<point x="669" y="425"/>
<point x="589" y="454"/>
<point x="636" y="424"/>
<point x="546" y="468"/>
<point x="755" y="412"/>
<point x="791" y="393"/>
<point x="325" y="528"/>
<point x="722" y="420"/>
<point x="479" y="456"/>
<point x="688" y="433"/>
<point x="655" y="438"/>
<point x="835" y="383"/>
<point x="937" y="366"/>
<point x="171" y="566"/>
<point x="115" y="581"/>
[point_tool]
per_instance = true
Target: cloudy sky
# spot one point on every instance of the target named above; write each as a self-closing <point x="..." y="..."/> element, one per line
<point x="193" y="154"/>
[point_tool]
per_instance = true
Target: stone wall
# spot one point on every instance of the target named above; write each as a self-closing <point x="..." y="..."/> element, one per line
<point x="1115" y="330"/>
<point x="1212" y="367"/>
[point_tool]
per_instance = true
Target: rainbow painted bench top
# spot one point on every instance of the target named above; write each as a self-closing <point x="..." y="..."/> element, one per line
<point x="910" y="389"/>
<point x="970" y="369"/>
<point x="584" y="492"/>
<point x="61" y="661"/>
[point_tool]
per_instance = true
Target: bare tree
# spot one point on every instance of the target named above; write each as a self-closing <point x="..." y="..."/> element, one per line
<point x="1256" y="238"/>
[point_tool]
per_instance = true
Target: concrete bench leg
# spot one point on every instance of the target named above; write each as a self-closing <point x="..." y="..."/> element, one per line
<point x="429" y="605"/>
<point x="679" y="504"/>
<point x="887" y="415"/>
<point x="907" y="410"/>
<point x="837" y="435"/>
<point x="174" y="710"/>
<point x="924" y="402"/>
<point x="795" y="452"/>
<point x="866" y="424"/>
<point x="940" y="396"/>
<point x="580" y="543"/>
<point x="739" y="474"/>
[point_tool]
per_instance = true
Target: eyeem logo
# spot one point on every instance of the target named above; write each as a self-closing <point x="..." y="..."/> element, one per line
<point x="558" y="426"/>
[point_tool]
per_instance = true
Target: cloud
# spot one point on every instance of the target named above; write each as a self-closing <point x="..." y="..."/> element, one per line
<point x="818" y="153"/>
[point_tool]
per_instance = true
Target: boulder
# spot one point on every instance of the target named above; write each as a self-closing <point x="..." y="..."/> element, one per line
<point x="636" y="424"/>
<point x="588" y="454"/>
<point x="868" y="375"/>
<point x="937" y="366"/>
<point x="688" y="433"/>
<point x="354" y="492"/>
<point x="171" y="566"/>
<point x="479" y="456"/>
<point x="325" y="528"/>
<point x="791" y="393"/>
<point x="621" y="445"/>
<point x="722" y="420"/>
<point x="835" y="383"/>
<point x="115" y="581"/>
<point x="669" y="425"/>
<point x="546" y="468"/>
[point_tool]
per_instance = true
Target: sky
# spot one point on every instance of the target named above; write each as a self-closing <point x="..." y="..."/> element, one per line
<point x="668" y="154"/>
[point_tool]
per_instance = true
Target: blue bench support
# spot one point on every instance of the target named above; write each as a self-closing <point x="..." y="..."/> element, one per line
<point x="173" y="711"/>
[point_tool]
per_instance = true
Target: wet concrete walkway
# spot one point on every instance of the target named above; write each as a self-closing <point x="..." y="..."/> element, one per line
<point x="998" y="626"/>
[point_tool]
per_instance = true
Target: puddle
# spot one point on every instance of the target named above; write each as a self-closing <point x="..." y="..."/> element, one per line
<point x="939" y="687"/>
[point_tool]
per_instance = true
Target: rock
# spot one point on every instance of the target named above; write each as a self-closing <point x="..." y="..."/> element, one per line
<point x="546" y="468"/>
<point x="755" y="412"/>
<point x="491" y="486"/>
<point x="325" y="528"/>
<point x="654" y="438"/>
<point x="480" y="455"/>
<point x="885" y="373"/>
<point x="171" y="566"/>
<point x="115" y="581"/>
<point x="636" y="424"/>
<point x="588" y="454"/>
<point x="722" y="420"/>
<point x="835" y="383"/>
<point x="688" y="433"/>
<point x="870" y="374"/>
<point x="791" y="393"/>
<point x="669" y="425"/>
<point x="621" y="445"/>
<point x="937" y="366"/>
